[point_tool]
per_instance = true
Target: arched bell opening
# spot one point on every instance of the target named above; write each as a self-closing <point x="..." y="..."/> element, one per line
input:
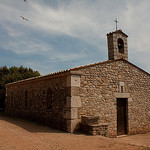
<point x="121" y="46"/>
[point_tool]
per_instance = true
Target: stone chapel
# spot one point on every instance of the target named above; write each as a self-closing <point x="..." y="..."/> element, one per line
<point x="109" y="98"/>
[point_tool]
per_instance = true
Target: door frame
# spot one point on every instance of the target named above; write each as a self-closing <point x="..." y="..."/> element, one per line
<point x="130" y="101"/>
<point x="125" y="115"/>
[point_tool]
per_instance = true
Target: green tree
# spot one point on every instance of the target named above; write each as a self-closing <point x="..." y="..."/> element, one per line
<point x="13" y="74"/>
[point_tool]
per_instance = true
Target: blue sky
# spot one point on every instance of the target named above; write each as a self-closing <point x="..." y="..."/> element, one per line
<point x="61" y="34"/>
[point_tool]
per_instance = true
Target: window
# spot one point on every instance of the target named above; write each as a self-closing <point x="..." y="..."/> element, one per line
<point x="122" y="89"/>
<point x="12" y="98"/>
<point x="49" y="98"/>
<point x="121" y="46"/>
<point x="26" y="98"/>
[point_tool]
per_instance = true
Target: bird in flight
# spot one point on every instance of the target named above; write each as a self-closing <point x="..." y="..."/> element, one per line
<point x="24" y="18"/>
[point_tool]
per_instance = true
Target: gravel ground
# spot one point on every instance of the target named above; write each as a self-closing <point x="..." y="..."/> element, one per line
<point x="16" y="134"/>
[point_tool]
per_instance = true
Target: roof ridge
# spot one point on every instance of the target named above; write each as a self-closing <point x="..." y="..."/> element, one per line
<point x="59" y="72"/>
<point x="93" y="64"/>
<point x="117" y="31"/>
<point x="76" y="68"/>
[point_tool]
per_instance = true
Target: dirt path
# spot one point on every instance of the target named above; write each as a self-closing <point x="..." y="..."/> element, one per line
<point x="24" y="135"/>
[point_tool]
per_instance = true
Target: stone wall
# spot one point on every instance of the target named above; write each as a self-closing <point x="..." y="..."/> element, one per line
<point x="42" y="100"/>
<point x="46" y="99"/>
<point x="59" y="100"/>
<point x="103" y="83"/>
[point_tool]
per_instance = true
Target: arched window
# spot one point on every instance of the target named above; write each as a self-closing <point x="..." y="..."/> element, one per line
<point x="49" y="98"/>
<point x="121" y="46"/>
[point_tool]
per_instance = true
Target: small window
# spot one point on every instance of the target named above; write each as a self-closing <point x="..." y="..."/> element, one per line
<point x="121" y="46"/>
<point x="49" y="98"/>
<point x="122" y="89"/>
<point x="12" y="98"/>
<point x="26" y="98"/>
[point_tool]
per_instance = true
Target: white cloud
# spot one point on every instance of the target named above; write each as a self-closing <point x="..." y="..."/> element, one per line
<point x="86" y="20"/>
<point x="138" y="25"/>
<point x="27" y="47"/>
<point x="63" y="21"/>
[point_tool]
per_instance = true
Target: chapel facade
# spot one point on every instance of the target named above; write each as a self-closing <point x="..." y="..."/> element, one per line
<point x="109" y="98"/>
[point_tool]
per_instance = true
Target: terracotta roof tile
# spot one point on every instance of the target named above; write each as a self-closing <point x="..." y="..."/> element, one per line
<point x="75" y="68"/>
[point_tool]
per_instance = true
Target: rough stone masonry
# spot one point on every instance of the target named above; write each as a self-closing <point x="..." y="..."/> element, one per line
<point x="116" y="91"/>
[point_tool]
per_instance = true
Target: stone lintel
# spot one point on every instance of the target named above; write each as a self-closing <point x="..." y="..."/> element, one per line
<point x="73" y="101"/>
<point x="122" y="95"/>
<point x="121" y="83"/>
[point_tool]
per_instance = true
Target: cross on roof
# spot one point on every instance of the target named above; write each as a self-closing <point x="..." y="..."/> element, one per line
<point x="116" y="21"/>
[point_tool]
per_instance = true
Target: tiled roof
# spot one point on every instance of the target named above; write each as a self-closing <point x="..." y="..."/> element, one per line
<point x="38" y="77"/>
<point x="103" y="62"/>
<point x="59" y="72"/>
<point x="117" y="31"/>
<point x="74" y="69"/>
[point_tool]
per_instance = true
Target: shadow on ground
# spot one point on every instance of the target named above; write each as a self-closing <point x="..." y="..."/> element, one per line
<point x="30" y="126"/>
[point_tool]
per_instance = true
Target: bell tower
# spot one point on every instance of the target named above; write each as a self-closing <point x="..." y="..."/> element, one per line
<point x="117" y="45"/>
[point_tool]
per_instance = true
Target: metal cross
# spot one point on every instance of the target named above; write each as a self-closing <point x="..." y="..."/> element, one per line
<point x="116" y="23"/>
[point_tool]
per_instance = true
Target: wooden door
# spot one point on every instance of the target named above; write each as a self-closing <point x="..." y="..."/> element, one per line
<point x="121" y="116"/>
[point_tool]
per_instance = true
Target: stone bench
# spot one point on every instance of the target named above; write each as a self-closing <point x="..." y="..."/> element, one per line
<point x="91" y="125"/>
